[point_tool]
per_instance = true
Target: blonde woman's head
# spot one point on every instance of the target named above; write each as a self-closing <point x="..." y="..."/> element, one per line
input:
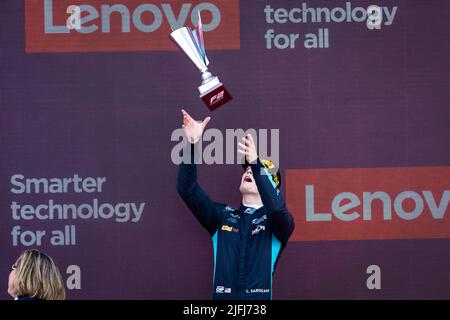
<point x="36" y="275"/>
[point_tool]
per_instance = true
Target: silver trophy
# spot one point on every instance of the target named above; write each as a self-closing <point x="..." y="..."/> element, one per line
<point x="212" y="91"/>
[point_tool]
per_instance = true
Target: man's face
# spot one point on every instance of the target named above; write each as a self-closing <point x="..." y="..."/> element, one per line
<point x="248" y="184"/>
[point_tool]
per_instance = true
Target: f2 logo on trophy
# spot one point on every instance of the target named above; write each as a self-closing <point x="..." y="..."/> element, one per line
<point x="191" y="42"/>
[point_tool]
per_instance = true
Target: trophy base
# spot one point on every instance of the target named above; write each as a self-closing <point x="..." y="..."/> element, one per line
<point x="214" y="94"/>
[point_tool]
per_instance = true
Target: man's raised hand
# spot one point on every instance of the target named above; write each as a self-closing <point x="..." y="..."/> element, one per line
<point x="248" y="148"/>
<point x="193" y="129"/>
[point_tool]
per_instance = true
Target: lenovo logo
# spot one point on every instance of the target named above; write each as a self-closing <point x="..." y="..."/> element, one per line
<point x="421" y="201"/>
<point x="381" y="203"/>
<point x="131" y="25"/>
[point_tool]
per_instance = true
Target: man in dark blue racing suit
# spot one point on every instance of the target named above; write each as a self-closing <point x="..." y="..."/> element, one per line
<point x="247" y="241"/>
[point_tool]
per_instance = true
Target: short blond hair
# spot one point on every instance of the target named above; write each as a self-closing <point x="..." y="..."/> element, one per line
<point x="38" y="277"/>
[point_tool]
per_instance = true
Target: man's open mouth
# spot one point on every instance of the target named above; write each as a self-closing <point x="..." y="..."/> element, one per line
<point x="248" y="179"/>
